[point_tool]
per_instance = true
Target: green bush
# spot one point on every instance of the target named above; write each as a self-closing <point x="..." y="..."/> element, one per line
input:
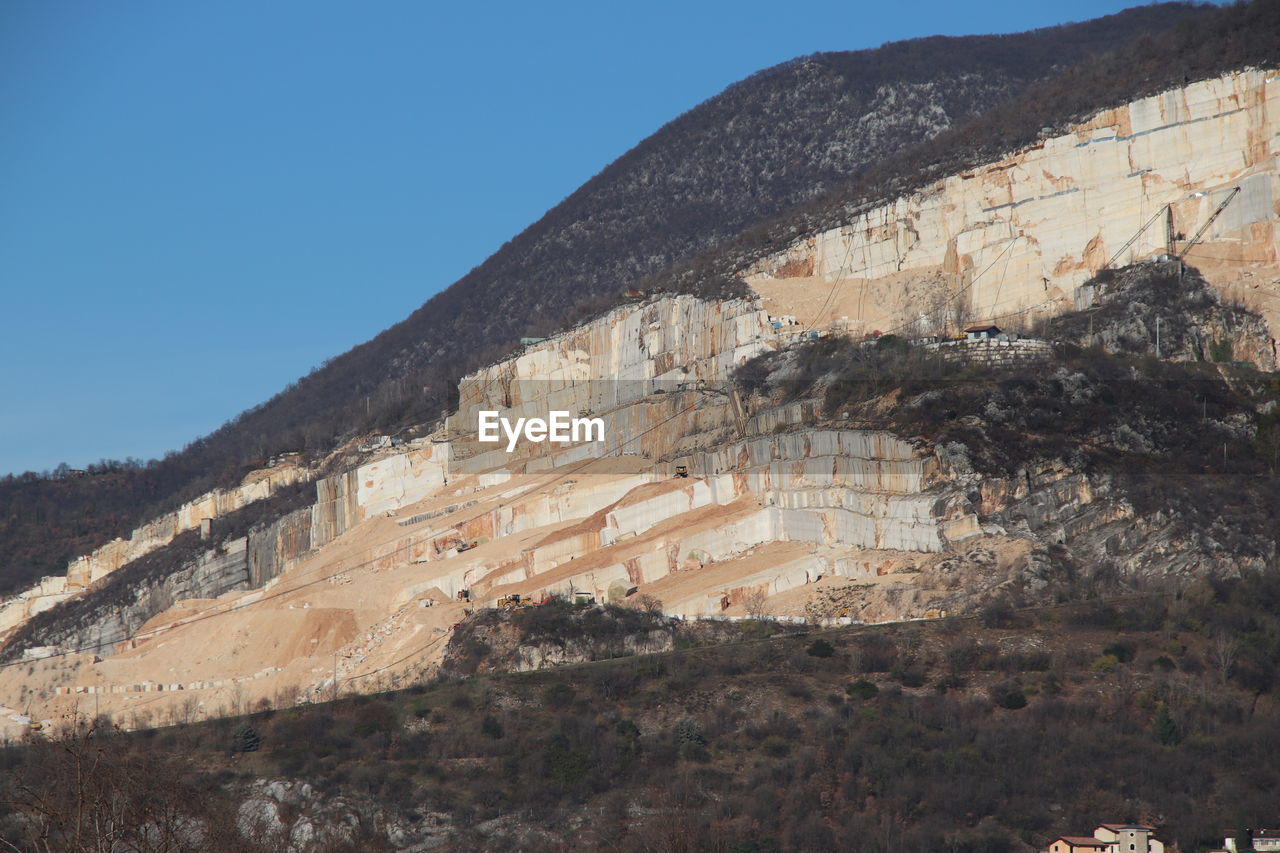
<point x="490" y="727"/>
<point x="820" y="649"/>
<point x="1010" y="697"/>
<point x="1105" y="663"/>
<point x="862" y="689"/>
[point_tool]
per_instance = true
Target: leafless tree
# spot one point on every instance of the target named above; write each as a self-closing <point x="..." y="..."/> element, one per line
<point x="756" y="604"/>
<point x="649" y="603"/>
<point x="1225" y="647"/>
<point x="90" y="790"/>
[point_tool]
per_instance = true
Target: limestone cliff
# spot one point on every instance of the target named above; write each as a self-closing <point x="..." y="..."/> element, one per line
<point x="1013" y="240"/>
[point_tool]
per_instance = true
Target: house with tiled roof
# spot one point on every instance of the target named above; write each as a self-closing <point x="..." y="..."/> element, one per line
<point x="1077" y="844"/>
<point x="1110" y="838"/>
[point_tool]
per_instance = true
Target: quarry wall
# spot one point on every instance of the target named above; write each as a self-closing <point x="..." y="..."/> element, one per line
<point x="208" y="576"/>
<point x="619" y="358"/>
<point x="1015" y="238"/>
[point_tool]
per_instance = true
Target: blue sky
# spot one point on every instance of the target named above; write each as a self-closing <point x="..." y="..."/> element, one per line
<point x="200" y="202"/>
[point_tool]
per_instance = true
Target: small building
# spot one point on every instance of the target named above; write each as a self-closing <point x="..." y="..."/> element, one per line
<point x="982" y="333"/>
<point x="1077" y="844"/>
<point x="1129" y="838"/>
<point x="1266" y="839"/>
<point x="1110" y="838"/>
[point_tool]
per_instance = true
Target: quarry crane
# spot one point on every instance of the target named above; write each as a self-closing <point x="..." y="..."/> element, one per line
<point x="1166" y="210"/>
<point x="1203" y="228"/>
<point x="730" y="393"/>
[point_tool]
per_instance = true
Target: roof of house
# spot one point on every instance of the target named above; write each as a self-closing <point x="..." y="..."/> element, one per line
<point x="987" y="328"/>
<point x="1082" y="841"/>
<point x="1266" y="833"/>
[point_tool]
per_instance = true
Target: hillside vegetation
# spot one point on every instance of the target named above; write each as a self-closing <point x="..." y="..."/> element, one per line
<point x="995" y="733"/>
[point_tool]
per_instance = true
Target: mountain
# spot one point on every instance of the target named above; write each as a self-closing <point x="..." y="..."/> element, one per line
<point x="781" y="138"/>
<point x="934" y="509"/>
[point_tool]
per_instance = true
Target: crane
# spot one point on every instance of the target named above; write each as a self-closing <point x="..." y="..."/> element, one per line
<point x="1203" y="228"/>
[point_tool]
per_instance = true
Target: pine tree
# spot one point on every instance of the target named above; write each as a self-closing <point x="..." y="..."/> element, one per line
<point x="1165" y="729"/>
<point x="245" y="739"/>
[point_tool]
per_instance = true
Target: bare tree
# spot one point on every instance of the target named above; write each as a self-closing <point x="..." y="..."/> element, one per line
<point x="92" y="790"/>
<point x="757" y="604"/>
<point x="1225" y="647"/>
<point x="649" y="603"/>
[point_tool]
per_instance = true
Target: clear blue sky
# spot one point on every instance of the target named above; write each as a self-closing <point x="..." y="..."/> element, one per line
<point x="199" y="202"/>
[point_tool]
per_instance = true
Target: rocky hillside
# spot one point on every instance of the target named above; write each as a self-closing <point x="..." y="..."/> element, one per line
<point x="773" y="141"/>
<point x="994" y="734"/>
<point x="839" y="478"/>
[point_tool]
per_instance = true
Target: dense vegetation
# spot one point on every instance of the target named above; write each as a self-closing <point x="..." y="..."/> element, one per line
<point x="130" y="589"/>
<point x="990" y="734"/>
<point x="777" y="139"/>
<point x="46" y="520"/>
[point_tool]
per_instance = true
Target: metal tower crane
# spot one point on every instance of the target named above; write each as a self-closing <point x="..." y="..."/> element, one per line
<point x="1203" y="228"/>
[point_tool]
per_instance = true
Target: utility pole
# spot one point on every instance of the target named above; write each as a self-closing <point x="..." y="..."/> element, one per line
<point x="335" y="675"/>
<point x="1157" y="337"/>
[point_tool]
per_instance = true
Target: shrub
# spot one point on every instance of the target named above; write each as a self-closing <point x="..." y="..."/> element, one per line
<point x="1105" y="663"/>
<point x="948" y="682"/>
<point x="862" y="689"/>
<point x="490" y="727"/>
<point x="911" y="676"/>
<point x="1121" y="651"/>
<point x="820" y="649"/>
<point x="688" y="731"/>
<point x="776" y="746"/>
<point x="1009" y="696"/>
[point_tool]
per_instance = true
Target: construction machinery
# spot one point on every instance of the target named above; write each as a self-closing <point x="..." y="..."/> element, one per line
<point x="1203" y="228"/>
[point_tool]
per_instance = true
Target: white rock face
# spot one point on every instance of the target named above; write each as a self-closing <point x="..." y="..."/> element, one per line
<point x="396" y="481"/>
<point x="618" y="359"/>
<point x="1013" y="239"/>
